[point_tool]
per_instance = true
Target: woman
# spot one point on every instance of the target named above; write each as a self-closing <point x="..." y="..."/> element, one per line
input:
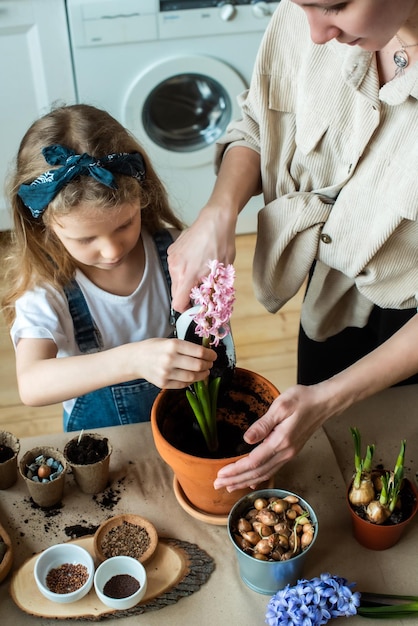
<point x="328" y="135"/>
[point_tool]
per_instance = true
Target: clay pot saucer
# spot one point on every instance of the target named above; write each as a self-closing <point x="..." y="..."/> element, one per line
<point x="7" y="560"/>
<point x="119" y="520"/>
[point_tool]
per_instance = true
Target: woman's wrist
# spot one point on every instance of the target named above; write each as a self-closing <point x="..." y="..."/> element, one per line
<point x="339" y="393"/>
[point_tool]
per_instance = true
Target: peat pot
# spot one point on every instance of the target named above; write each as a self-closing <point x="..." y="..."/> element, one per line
<point x="9" y="450"/>
<point x="49" y="491"/>
<point x="88" y="455"/>
<point x="181" y="445"/>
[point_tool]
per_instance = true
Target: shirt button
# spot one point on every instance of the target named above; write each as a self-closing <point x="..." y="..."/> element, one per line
<point x="325" y="238"/>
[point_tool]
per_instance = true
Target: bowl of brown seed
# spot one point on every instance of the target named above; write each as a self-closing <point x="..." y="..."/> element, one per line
<point x="64" y="573"/>
<point x="126" y="535"/>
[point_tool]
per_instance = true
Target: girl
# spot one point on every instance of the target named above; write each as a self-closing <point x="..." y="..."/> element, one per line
<point x="88" y="296"/>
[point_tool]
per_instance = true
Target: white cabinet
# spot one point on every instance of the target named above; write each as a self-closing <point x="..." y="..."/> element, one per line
<point x="35" y="73"/>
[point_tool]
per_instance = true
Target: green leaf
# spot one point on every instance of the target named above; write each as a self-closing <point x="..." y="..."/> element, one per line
<point x="400" y="461"/>
<point x="213" y="394"/>
<point x="358" y="465"/>
<point x="367" y="465"/>
<point x="387" y="606"/>
<point x="197" y="409"/>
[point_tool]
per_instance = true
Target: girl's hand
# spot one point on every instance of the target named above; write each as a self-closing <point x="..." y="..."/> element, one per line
<point x="167" y="363"/>
<point x="172" y="363"/>
<point x="283" y="431"/>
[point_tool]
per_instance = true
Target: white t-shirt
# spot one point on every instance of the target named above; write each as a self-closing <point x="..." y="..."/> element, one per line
<point x="44" y="314"/>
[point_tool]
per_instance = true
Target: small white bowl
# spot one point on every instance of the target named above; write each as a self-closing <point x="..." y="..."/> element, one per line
<point x="119" y="566"/>
<point x="53" y="558"/>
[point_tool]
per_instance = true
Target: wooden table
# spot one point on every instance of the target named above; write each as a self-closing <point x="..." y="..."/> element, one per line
<point x="142" y="483"/>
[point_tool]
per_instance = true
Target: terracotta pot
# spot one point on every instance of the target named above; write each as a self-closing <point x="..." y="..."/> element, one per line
<point x="380" y="536"/>
<point x="251" y="395"/>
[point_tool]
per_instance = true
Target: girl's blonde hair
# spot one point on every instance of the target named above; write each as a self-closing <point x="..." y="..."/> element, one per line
<point x="36" y="256"/>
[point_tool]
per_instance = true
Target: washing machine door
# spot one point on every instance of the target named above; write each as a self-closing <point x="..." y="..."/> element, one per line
<point x="180" y="106"/>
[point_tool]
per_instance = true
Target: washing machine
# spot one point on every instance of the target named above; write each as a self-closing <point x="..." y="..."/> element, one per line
<point x="170" y="71"/>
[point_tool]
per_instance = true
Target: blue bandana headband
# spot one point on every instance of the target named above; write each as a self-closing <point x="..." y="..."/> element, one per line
<point x="38" y="194"/>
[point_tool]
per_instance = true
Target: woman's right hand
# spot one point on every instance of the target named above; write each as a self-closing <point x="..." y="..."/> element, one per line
<point x="210" y="237"/>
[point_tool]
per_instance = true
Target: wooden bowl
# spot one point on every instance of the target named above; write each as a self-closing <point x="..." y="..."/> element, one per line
<point x="121" y="542"/>
<point x="7" y="560"/>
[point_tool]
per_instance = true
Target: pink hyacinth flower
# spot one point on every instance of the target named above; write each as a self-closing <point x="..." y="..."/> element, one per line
<point x="216" y="296"/>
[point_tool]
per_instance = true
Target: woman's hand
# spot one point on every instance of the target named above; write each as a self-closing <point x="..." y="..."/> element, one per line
<point x="296" y="414"/>
<point x="212" y="236"/>
<point x="207" y="239"/>
<point x="283" y="431"/>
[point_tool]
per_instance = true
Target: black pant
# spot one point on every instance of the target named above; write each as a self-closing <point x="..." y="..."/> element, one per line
<point x="319" y="360"/>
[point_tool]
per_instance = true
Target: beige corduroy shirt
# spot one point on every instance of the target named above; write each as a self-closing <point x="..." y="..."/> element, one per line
<point x="339" y="163"/>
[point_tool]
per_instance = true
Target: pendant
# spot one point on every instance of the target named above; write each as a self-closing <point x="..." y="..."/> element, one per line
<point x="401" y="61"/>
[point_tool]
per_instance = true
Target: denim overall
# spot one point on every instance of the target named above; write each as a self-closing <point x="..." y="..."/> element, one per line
<point x="125" y="403"/>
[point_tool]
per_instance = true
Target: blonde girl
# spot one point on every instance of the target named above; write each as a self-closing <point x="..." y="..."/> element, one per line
<point x="88" y="291"/>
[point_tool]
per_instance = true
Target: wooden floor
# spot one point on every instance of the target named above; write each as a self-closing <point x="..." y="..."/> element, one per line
<point x="264" y="343"/>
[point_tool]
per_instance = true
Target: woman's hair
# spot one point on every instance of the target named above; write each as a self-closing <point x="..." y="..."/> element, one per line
<point x="35" y="255"/>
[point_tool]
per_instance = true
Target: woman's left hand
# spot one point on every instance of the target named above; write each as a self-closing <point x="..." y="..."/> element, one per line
<point x="299" y="411"/>
<point x="283" y="431"/>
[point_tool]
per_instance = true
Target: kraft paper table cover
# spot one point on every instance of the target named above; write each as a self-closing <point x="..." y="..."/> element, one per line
<point x="142" y="483"/>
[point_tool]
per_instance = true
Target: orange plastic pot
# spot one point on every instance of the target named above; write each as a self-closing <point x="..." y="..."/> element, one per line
<point x="196" y="474"/>
<point x="380" y="536"/>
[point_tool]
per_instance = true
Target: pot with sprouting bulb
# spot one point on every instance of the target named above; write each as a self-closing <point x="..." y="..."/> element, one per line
<point x="381" y="503"/>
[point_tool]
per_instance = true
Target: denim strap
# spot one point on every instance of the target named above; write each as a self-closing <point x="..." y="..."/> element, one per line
<point x="163" y="239"/>
<point x="86" y="332"/>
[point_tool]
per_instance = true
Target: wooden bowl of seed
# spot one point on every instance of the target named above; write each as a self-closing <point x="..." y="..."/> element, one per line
<point x="126" y="535"/>
<point x="6" y="554"/>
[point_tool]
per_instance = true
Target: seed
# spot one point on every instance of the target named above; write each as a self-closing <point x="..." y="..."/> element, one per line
<point x="44" y="471"/>
<point x="125" y="540"/>
<point x="67" y="578"/>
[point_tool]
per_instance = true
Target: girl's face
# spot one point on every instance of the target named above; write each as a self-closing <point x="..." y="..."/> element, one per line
<point x="370" y="24"/>
<point x="97" y="240"/>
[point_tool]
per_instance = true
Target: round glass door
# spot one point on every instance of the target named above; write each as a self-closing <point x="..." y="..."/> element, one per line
<point x="186" y="112"/>
<point x="180" y="106"/>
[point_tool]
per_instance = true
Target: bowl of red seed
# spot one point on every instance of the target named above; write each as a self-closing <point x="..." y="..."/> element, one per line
<point x="126" y="535"/>
<point x="64" y="572"/>
<point x="120" y="582"/>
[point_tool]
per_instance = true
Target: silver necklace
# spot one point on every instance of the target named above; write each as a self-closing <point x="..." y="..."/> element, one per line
<point x="401" y="58"/>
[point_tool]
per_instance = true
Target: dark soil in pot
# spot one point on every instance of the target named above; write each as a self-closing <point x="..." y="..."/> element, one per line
<point x="87" y="451"/>
<point x="239" y="406"/>
<point x="6" y="453"/>
<point x="188" y="438"/>
<point x="401" y="514"/>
